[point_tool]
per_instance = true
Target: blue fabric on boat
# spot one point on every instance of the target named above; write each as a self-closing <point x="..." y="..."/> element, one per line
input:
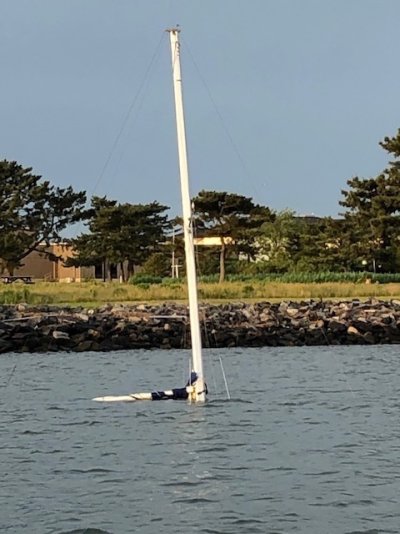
<point x="177" y="394"/>
<point x="192" y="379"/>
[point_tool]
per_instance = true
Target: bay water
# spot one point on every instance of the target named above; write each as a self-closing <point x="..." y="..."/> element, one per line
<point x="307" y="443"/>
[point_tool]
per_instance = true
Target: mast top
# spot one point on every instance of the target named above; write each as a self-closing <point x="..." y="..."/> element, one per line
<point x="174" y="30"/>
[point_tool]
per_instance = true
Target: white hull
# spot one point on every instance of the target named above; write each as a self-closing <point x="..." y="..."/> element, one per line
<point x="133" y="397"/>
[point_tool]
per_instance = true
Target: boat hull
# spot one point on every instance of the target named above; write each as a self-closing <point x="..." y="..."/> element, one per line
<point x="133" y="397"/>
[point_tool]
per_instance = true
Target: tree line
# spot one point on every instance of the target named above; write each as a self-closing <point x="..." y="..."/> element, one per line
<point x="254" y="238"/>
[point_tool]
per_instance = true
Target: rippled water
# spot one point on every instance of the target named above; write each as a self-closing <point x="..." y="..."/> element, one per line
<point x="309" y="443"/>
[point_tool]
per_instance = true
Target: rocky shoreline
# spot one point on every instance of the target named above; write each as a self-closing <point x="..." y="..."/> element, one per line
<point x="26" y="328"/>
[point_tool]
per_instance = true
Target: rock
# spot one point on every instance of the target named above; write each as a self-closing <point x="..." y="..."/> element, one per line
<point x="353" y="331"/>
<point x="6" y="346"/>
<point x="369" y="338"/>
<point x="57" y="334"/>
<point x="91" y="332"/>
<point x="337" y="326"/>
<point x="48" y="328"/>
<point x="84" y="346"/>
<point x="82" y="316"/>
<point x="318" y="324"/>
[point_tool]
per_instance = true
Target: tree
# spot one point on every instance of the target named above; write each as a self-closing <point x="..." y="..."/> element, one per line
<point x="323" y="245"/>
<point x="231" y="217"/>
<point x="278" y="241"/>
<point x="96" y="247"/>
<point x="158" y="264"/>
<point x="392" y="145"/>
<point x="373" y="214"/>
<point x="121" y="234"/>
<point x="32" y="212"/>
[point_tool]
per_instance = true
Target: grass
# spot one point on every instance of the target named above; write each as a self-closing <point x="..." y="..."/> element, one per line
<point x="95" y="294"/>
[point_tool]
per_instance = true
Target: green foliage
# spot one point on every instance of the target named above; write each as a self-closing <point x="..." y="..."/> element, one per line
<point x="248" y="290"/>
<point x="124" y="234"/>
<point x="324" y="246"/>
<point x="97" y="294"/>
<point x="278" y="241"/>
<point x="158" y="264"/>
<point x="140" y="279"/>
<point x="231" y="217"/>
<point x="143" y="285"/>
<point x="392" y="144"/>
<point x="120" y="291"/>
<point x="172" y="282"/>
<point x="207" y="260"/>
<point x="32" y="212"/>
<point x="373" y="214"/>
<point x="310" y="277"/>
<point x="25" y="296"/>
<point x="14" y="297"/>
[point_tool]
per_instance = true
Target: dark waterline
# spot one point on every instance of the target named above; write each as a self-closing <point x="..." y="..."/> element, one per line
<point x="309" y="443"/>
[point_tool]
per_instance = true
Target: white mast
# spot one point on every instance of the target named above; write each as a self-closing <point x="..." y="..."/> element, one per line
<point x="197" y="358"/>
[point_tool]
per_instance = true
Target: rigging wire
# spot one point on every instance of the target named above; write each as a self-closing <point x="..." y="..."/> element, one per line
<point x="226" y="383"/>
<point x="213" y="376"/>
<point x="134" y="118"/>
<point x="204" y="323"/>
<point x="128" y="114"/>
<point x="221" y="119"/>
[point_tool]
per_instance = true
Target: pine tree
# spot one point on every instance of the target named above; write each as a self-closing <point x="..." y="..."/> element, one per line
<point x="121" y="233"/>
<point x="373" y="215"/>
<point x="32" y="212"/>
<point x="231" y="217"/>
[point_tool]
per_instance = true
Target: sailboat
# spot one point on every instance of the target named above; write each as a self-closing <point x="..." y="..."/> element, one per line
<point x="195" y="389"/>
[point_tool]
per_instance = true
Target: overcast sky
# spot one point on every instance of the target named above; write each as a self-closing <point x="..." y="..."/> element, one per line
<point x="285" y="100"/>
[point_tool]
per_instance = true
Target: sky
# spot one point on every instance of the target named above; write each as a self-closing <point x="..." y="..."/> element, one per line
<point x="285" y="100"/>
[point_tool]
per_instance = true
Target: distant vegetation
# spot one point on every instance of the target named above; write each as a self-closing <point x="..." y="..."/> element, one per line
<point x="257" y="244"/>
<point x="94" y="294"/>
<point x="311" y="278"/>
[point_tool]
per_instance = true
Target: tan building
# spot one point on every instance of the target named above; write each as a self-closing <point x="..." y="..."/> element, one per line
<point x="213" y="241"/>
<point x="40" y="267"/>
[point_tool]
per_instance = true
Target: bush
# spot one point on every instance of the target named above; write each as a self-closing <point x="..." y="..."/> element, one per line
<point x="248" y="290"/>
<point x="119" y="291"/>
<point x="139" y="279"/>
<point x="143" y="285"/>
<point x="172" y="282"/>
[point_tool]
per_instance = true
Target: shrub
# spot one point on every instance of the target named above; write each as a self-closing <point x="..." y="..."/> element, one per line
<point x="139" y="279"/>
<point x="172" y="282"/>
<point x="143" y="285"/>
<point x="310" y="277"/>
<point x="248" y="290"/>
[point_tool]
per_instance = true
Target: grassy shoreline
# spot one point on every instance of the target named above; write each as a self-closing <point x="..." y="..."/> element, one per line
<point x="98" y="293"/>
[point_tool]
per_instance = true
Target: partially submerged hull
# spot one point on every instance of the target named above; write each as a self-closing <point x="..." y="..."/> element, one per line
<point x="192" y="392"/>
<point x="124" y="398"/>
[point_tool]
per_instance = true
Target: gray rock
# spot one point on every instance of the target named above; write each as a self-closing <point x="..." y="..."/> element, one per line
<point x="48" y="328"/>
<point x="57" y="334"/>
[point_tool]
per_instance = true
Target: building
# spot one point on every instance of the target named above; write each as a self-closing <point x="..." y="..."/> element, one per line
<point x="40" y="267"/>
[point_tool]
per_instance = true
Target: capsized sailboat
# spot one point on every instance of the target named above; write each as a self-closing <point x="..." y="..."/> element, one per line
<point x="195" y="390"/>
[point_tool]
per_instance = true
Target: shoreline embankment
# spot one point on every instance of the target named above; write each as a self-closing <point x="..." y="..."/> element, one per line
<point x="30" y="329"/>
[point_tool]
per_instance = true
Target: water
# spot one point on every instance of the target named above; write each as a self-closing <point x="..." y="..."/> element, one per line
<point x="309" y="443"/>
